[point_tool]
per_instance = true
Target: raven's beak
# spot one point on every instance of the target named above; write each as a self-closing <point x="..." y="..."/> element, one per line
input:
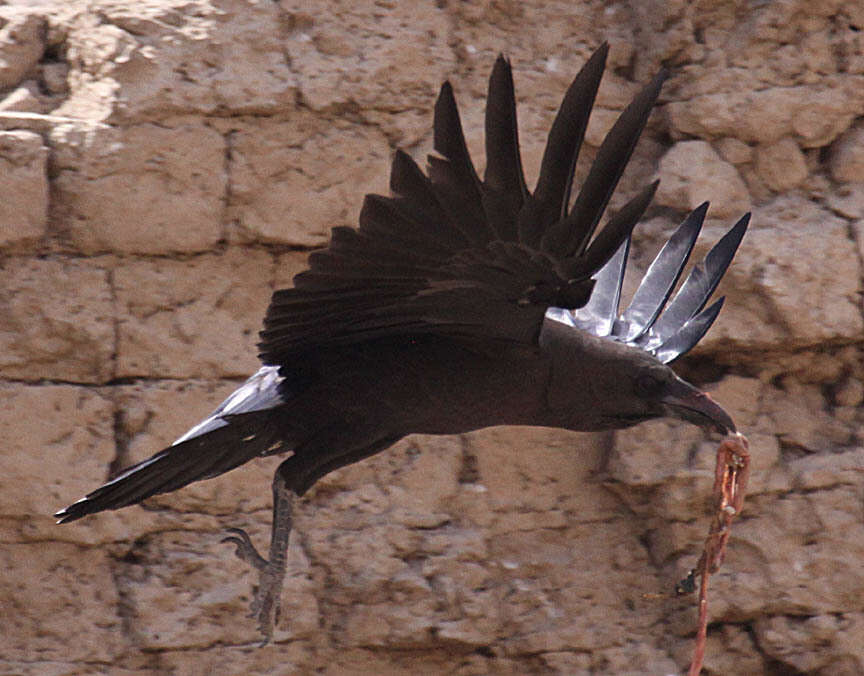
<point x="686" y="402"/>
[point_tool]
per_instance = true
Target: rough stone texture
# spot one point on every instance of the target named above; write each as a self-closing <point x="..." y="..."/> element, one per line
<point x="22" y="43"/>
<point x="847" y="156"/>
<point x="171" y="178"/>
<point x="168" y="163"/>
<point x="54" y="587"/>
<point x="292" y="181"/>
<point x="58" y="319"/>
<point x="157" y="58"/>
<point x="781" y="165"/>
<point x="798" y="256"/>
<point x="692" y="172"/>
<point x="191" y="318"/>
<point x="848" y="200"/>
<point x="24" y="185"/>
<point x="25" y="98"/>
<point x="75" y="430"/>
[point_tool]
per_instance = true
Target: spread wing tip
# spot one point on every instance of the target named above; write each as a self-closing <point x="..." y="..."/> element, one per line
<point x="670" y="334"/>
<point x="689" y="334"/>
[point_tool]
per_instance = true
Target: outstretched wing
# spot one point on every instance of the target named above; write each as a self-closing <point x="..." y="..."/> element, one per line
<point x="451" y="254"/>
<point x="644" y="324"/>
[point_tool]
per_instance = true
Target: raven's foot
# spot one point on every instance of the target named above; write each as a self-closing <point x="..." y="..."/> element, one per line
<point x="265" y="605"/>
<point x="271" y="571"/>
<point x="245" y="549"/>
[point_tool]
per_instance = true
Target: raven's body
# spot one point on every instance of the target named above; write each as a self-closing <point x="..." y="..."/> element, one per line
<point x="459" y="304"/>
<point x="363" y="399"/>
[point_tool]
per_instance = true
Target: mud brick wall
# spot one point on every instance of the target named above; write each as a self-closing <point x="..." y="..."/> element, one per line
<point x="166" y="164"/>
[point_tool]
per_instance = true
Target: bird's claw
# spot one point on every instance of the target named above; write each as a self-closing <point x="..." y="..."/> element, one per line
<point x="265" y="607"/>
<point x="245" y="549"/>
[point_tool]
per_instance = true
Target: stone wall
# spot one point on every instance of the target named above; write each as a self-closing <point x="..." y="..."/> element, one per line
<point x="165" y="164"/>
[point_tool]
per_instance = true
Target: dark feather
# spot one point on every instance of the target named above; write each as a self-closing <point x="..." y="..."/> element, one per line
<point x="504" y="188"/>
<point x="415" y="197"/>
<point x="571" y="235"/>
<point x="421" y="256"/>
<point x="599" y="314"/>
<point x="382" y="218"/>
<point x="245" y="437"/>
<point x="609" y="240"/>
<point x="552" y="195"/>
<point x="456" y="183"/>
<point x="462" y="207"/>
<point x="449" y="140"/>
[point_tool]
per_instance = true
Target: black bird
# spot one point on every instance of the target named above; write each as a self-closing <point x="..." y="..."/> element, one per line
<point x="459" y="304"/>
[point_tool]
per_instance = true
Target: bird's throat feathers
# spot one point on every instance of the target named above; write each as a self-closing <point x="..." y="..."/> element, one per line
<point x="591" y="374"/>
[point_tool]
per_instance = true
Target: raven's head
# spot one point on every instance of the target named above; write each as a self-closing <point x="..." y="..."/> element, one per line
<point x="656" y="391"/>
<point x="602" y="384"/>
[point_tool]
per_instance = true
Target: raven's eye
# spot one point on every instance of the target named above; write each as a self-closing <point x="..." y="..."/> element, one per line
<point x="648" y="386"/>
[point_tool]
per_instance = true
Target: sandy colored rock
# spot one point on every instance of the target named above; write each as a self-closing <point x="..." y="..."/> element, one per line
<point x="692" y="172"/>
<point x="292" y="181"/>
<point x="161" y="58"/>
<point x="190" y="319"/>
<point x="25" y="668"/>
<point x="54" y="596"/>
<point x="167" y="585"/>
<point x="781" y="165"/>
<point x="732" y="650"/>
<point x="772" y="279"/>
<point x="848" y="200"/>
<point x="54" y="77"/>
<point x="800" y="642"/>
<point x="858" y="233"/>
<point x="24" y="98"/>
<point x="24" y="183"/>
<point x="373" y="69"/>
<point x="824" y="556"/>
<point x="22" y="42"/>
<point x="166" y="186"/>
<point x="276" y="659"/>
<point x="74" y="430"/>
<point x="815" y="114"/>
<point x="847" y="156"/>
<point x="58" y="320"/>
<point x="734" y="151"/>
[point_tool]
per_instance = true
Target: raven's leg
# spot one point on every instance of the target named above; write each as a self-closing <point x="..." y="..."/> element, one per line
<point x="293" y="478"/>
<point x="271" y="572"/>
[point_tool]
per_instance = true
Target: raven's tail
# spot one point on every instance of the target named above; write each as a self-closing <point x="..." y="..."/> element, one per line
<point x="246" y="436"/>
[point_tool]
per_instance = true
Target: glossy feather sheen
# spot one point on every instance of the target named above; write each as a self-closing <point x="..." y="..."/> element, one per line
<point x="599" y="314"/>
<point x="689" y="334"/>
<point x="661" y="276"/>
<point x="697" y="288"/>
<point x="670" y="334"/>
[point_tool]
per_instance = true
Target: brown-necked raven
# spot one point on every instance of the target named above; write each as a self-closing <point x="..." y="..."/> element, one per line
<point x="459" y="304"/>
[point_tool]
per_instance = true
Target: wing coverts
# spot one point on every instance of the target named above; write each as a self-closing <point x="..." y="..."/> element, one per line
<point x="453" y="255"/>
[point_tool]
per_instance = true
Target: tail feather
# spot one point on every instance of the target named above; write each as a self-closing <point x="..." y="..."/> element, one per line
<point x="245" y="437"/>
